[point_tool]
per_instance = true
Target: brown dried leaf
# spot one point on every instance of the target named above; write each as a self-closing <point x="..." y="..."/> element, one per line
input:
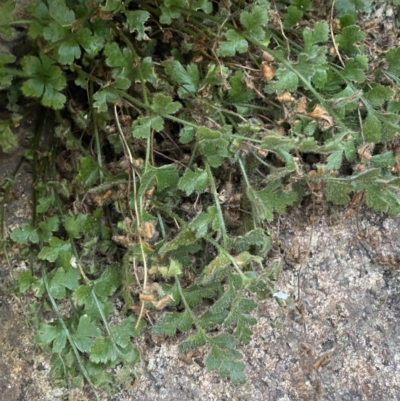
<point x="267" y="71"/>
<point x="318" y="112"/>
<point x="285" y="97"/>
<point x="268" y="58"/>
<point x="365" y="150"/>
<point x="301" y="105"/>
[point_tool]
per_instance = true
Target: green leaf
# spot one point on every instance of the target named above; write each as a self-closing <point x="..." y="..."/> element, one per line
<point x="256" y="239"/>
<point x="188" y="79"/>
<point x="238" y="318"/>
<point x="234" y="43"/>
<point x="92" y="43"/>
<point x="201" y="222"/>
<point x="195" y="293"/>
<point x="372" y="128"/>
<point x="111" y="5"/>
<point x="355" y="67"/>
<point x="185" y="237"/>
<point x="216" y="75"/>
<point x="213" y="145"/>
<point x="62" y="280"/>
<point x="110" y="93"/>
<point x="276" y="141"/>
<point x="44" y="204"/>
<point x="164" y="177"/>
<point x="352" y="6"/>
<point x="224" y="340"/>
<point x="320" y="33"/>
<point x="83" y="294"/>
<point x="115" y="57"/>
<point x="75" y="225"/>
<point x="335" y="160"/>
<point x="270" y="198"/>
<point x="123" y="333"/>
<point x="193" y="341"/>
<point x="255" y="21"/>
<point x="174" y="269"/>
<point x="215" y="270"/>
<point x="61" y="13"/>
<point x="108" y="282"/>
<point x="88" y="172"/>
<point x="304" y="5"/>
<point x="384" y="159"/>
<point x="52" y="333"/>
<point x="224" y="301"/>
<point x="47" y="80"/>
<point x="381" y="199"/>
<point x="21" y="235"/>
<point x="171" y="322"/>
<point x="285" y="80"/>
<point x="186" y="134"/>
<point x="85" y="334"/>
<point x="225" y="361"/>
<point x="51" y="252"/>
<point x="292" y="16"/>
<point x="103" y="350"/>
<point x="192" y="181"/>
<point x="338" y="192"/>
<point x="171" y="9"/>
<point x="25" y="280"/>
<point x="55" y="32"/>
<point x="378" y="95"/>
<point x="136" y="20"/>
<point x="238" y="93"/>
<point x="204" y="5"/>
<point x="8" y="141"/>
<point x="366" y="176"/>
<point x="163" y="105"/>
<point x="68" y="51"/>
<point x="167" y="176"/>
<point x="209" y="321"/>
<point x="349" y="36"/>
<point x="141" y="128"/>
<point x="6" y="77"/>
<point x="393" y="60"/>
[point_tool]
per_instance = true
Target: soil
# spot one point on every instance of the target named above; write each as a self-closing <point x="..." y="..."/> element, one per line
<point x="336" y="339"/>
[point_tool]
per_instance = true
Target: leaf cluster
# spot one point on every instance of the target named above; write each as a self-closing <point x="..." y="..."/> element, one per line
<point x="184" y="128"/>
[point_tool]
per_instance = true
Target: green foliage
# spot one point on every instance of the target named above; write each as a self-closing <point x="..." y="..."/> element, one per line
<point x="46" y="80"/>
<point x="180" y="134"/>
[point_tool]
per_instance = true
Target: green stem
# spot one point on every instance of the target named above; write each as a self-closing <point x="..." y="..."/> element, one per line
<point x="222" y="250"/>
<point x="68" y="334"/>
<point x="96" y="132"/>
<point x="217" y="204"/>
<point x="137" y="59"/>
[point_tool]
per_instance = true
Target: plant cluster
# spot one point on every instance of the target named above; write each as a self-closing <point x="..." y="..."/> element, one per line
<point x="181" y="128"/>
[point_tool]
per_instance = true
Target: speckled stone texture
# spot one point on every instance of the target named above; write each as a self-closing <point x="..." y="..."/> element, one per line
<point x="338" y="342"/>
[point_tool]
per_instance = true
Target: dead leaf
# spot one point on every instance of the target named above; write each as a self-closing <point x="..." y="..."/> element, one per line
<point x="267" y="71"/>
<point x="318" y="112"/>
<point x="301" y="105"/>
<point x="285" y="97"/>
<point x="365" y="150"/>
<point x="268" y="58"/>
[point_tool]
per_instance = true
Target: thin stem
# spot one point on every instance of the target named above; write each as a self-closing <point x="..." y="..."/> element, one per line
<point x="96" y="132"/>
<point x="68" y="334"/>
<point x="217" y="204"/>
